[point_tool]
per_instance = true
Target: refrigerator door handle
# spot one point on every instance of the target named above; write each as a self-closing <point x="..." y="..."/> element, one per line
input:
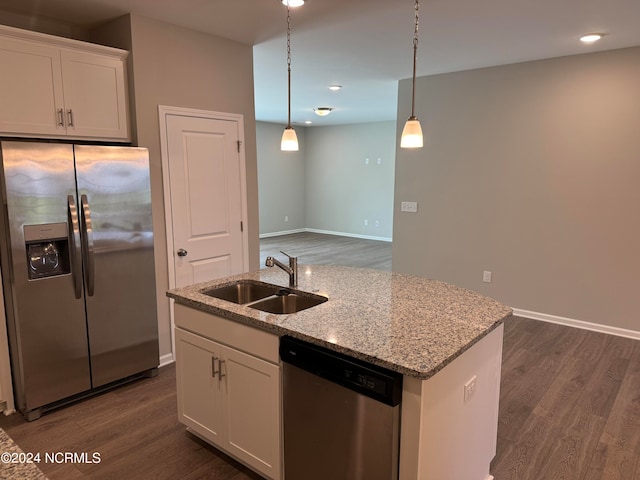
<point x="87" y="244"/>
<point x="74" y="240"/>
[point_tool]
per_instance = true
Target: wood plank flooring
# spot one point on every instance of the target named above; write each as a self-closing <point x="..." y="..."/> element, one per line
<point x="135" y="430"/>
<point x="321" y="249"/>
<point x="569" y="409"/>
<point x="569" y="404"/>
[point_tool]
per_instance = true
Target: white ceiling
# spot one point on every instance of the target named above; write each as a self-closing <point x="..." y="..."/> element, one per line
<point x="366" y="45"/>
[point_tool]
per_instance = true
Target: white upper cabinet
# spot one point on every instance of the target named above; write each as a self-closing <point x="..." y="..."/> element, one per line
<point x="52" y="87"/>
<point x="94" y="95"/>
<point x="30" y="88"/>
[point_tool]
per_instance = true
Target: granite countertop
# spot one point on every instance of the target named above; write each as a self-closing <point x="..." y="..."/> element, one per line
<point x="408" y="324"/>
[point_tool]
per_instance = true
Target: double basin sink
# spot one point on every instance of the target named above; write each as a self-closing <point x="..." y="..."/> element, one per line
<point x="265" y="297"/>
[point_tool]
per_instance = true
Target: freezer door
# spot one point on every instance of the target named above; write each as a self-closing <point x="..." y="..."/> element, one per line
<point x="115" y="210"/>
<point x="40" y="254"/>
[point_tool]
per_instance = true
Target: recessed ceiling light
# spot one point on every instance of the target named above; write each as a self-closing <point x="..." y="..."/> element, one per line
<point x="308" y="122"/>
<point x="335" y="87"/>
<point x="293" y="3"/>
<point x="323" y="111"/>
<point x="591" y="37"/>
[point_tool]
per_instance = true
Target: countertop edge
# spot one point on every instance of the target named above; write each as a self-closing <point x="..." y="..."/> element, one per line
<point x="280" y="331"/>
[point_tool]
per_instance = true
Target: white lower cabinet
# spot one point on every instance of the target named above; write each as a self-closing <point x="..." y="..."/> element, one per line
<point x="199" y="390"/>
<point x="230" y="398"/>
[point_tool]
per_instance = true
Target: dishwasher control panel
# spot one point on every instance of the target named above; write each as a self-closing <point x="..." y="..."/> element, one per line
<point x="374" y="381"/>
<point x="365" y="381"/>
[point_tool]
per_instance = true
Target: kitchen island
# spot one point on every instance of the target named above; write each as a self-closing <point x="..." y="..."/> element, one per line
<point x="445" y="340"/>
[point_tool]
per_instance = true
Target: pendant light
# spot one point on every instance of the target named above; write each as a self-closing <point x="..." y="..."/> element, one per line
<point x="412" y="132"/>
<point x="289" y="142"/>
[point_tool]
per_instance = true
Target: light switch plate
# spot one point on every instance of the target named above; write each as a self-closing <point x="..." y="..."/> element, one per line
<point x="411" y="207"/>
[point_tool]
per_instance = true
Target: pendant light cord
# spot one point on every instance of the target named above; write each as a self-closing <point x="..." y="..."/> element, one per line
<point x="288" y="66"/>
<point x="415" y="54"/>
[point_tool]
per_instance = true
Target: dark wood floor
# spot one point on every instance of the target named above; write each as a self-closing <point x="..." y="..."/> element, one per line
<point x="135" y="430"/>
<point x="318" y="248"/>
<point x="569" y="409"/>
<point x="569" y="404"/>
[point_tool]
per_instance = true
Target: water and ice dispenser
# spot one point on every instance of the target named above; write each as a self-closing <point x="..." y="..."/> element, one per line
<point x="47" y="247"/>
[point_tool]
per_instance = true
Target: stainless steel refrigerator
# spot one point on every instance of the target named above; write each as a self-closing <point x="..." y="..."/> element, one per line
<point x="76" y="251"/>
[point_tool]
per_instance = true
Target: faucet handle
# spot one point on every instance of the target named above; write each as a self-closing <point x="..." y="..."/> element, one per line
<point x="290" y="257"/>
<point x="293" y="264"/>
<point x="293" y="269"/>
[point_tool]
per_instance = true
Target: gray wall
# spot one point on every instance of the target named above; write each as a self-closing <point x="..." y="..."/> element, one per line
<point x="46" y="25"/>
<point x="281" y="180"/>
<point x="530" y="171"/>
<point x="178" y="67"/>
<point x="340" y="190"/>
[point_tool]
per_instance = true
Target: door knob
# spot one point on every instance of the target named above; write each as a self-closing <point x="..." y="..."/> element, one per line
<point x="182" y="252"/>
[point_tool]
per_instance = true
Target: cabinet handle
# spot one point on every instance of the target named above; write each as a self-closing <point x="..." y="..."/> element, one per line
<point x="60" y="117"/>
<point x="70" y="114"/>
<point x="220" y="374"/>
<point x="213" y="367"/>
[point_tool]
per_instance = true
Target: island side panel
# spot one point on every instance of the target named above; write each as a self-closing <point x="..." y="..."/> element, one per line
<point x="444" y="436"/>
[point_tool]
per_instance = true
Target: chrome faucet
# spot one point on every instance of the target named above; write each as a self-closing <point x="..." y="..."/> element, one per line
<point x="291" y="269"/>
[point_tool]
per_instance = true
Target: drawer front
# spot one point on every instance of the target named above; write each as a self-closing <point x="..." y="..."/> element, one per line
<point x="242" y="337"/>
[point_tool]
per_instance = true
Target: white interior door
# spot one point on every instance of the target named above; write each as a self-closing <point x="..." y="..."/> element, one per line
<point x="206" y="177"/>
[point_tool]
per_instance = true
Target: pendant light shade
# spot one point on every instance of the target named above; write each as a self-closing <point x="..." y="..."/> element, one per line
<point x="412" y="132"/>
<point x="289" y="142"/>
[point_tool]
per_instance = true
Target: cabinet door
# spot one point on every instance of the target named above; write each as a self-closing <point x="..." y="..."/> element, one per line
<point x="199" y="387"/>
<point x="252" y="406"/>
<point x="31" y="97"/>
<point x="94" y="96"/>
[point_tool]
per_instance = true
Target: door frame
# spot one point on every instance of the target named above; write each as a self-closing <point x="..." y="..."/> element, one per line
<point x="163" y="112"/>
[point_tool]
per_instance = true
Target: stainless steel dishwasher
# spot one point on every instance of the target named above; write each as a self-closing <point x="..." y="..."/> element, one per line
<point x="341" y="415"/>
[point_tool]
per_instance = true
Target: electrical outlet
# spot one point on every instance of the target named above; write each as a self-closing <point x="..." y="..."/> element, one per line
<point x="377" y="223"/>
<point x="366" y="223"/>
<point x="470" y="389"/>
<point x="286" y="218"/>
<point x="486" y="276"/>
<point x="366" y="161"/>
<point x="411" y="207"/>
<point x="379" y="161"/>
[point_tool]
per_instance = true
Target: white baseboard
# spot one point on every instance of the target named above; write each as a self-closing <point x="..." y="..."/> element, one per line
<point x="284" y="232"/>
<point x="570" y="322"/>
<point x="353" y="235"/>
<point x="326" y="232"/>
<point x="166" y="359"/>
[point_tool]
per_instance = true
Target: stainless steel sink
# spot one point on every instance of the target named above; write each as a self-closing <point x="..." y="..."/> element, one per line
<point x="265" y="297"/>
<point x="243" y="291"/>
<point x="288" y="303"/>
